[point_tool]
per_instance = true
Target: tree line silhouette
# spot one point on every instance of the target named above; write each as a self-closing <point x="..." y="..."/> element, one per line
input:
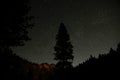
<point x="106" y="66"/>
<point x="14" y="32"/>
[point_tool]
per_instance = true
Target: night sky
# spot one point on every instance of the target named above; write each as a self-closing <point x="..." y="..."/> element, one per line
<point x="93" y="26"/>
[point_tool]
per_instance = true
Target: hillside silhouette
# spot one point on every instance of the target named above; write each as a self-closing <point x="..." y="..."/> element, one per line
<point x="16" y="68"/>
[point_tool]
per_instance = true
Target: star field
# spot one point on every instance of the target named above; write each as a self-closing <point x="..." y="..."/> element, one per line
<point x="93" y="26"/>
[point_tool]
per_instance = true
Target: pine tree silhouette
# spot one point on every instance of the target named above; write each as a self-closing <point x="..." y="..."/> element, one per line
<point x="63" y="49"/>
